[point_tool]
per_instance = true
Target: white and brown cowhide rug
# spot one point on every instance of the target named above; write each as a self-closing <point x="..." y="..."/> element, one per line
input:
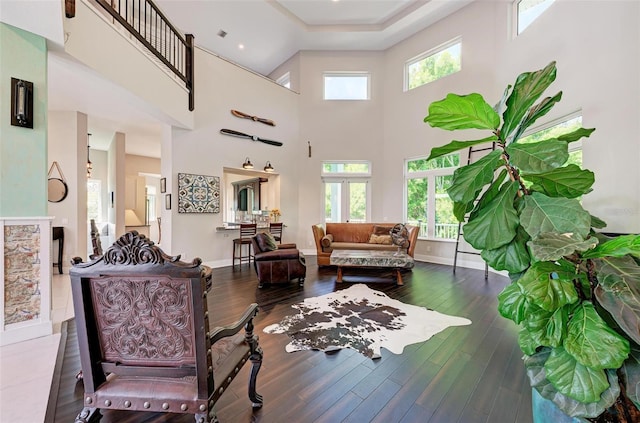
<point x="362" y="319"/>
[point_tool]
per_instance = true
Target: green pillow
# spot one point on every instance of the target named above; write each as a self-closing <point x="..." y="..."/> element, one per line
<point x="270" y="242"/>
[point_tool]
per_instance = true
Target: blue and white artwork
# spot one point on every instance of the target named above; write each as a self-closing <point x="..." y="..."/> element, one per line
<point x="198" y="193"/>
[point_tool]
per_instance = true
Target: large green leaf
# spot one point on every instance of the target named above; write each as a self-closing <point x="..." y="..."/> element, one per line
<point x="576" y="135"/>
<point x="458" y="145"/>
<point x="499" y="107"/>
<point x="592" y="342"/>
<point x="512" y="303"/>
<point x="460" y="210"/>
<point x="569" y="181"/>
<point x="537" y="376"/>
<point x="535" y="113"/>
<point x="597" y="223"/>
<point x="552" y="246"/>
<point x="616" y="247"/>
<point x="512" y="257"/>
<point x="619" y="293"/>
<point x="494" y="225"/>
<point x="527" y="344"/>
<point x="538" y="157"/>
<point x="553" y="214"/>
<point x="489" y="194"/>
<point x="573" y="378"/>
<point x="549" y="286"/>
<point x="528" y="88"/>
<point x="469" y="180"/>
<point x="462" y="112"/>
<point x="631" y="371"/>
<point x="545" y="327"/>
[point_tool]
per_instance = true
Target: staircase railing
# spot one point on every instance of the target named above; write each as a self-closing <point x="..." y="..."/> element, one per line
<point x="144" y="20"/>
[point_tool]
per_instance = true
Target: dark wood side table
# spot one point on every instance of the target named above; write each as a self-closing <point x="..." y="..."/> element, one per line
<point x="58" y="233"/>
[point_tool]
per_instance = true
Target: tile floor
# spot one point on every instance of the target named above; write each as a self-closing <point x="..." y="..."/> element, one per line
<point x="26" y="368"/>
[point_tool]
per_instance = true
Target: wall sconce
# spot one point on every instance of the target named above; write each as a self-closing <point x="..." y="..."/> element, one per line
<point x="21" y="103"/>
<point x="247" y="164"/>
<point x="268" y="168"/>
<point x="89" y="164"/>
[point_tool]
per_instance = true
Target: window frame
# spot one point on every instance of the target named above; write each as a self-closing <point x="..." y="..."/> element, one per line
<point x="429" y="232"/>
<point x="285" y="80"/>
<point x="345" y="74"/>
<point x="427" y="54"/>
<point x="515" y="17"/>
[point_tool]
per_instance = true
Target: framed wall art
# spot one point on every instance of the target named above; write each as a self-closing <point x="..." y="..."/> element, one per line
<point x="163" y="185"/>
<point x="198" y="193"/>
<point x="167" y="201"/>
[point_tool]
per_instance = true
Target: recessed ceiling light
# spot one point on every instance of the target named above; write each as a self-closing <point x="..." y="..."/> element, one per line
<point x="222" y="33"/>
<point x="241" y="46"/>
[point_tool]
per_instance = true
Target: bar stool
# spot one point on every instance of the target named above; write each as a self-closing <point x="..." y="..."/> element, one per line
<point x="247" y="230"/>
<point x="275" y="229"/>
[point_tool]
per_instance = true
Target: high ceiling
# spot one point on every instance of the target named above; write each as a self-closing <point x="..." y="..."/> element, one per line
<point x="272" y="31"/>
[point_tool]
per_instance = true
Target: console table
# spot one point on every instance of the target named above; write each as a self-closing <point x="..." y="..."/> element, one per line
<point x="58" y="233"/>
<point x="371" y="258"/>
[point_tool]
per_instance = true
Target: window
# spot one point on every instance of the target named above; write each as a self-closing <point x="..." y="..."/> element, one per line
<point x="346" y="86"/>
<point x="285" y="80"/>
<point x="433" y="64"/>
<point x="94" y="200"/>
<point x="428" y="205"/>
<point x="554" y="129"/>
<point x="528" y="11"/>
<point x="346" y="191"/>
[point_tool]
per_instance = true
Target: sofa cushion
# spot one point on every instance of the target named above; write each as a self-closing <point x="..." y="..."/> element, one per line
<point x="326" y="240"/>
<point x="380" y="239"/>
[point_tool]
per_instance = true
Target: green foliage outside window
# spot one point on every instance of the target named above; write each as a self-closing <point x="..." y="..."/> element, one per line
<point x="434" y="67"/>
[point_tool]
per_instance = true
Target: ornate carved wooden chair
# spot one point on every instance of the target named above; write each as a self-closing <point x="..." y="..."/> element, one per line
<point x="144" y="338"/>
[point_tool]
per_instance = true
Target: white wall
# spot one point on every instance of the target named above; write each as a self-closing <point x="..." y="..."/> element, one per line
<point x="221" y="87"/>
<point x="596" y="46"/>
<point x="67" y="145"/>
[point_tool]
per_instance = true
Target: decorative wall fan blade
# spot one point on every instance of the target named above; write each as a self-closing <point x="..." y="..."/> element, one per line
<point x="238" y="134"/>
<point x="253" y="118"/>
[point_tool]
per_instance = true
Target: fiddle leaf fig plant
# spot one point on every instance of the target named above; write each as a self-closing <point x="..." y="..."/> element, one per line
<point x="574" y="292"/>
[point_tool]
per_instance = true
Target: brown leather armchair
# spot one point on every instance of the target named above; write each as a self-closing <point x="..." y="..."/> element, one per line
<point x="281" y="264"/>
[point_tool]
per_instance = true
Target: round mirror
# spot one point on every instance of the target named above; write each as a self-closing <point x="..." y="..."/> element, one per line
<point x="57" y="190"/>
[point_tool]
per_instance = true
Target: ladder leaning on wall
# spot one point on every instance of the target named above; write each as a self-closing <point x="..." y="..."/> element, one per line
<point x="471" y="152"/>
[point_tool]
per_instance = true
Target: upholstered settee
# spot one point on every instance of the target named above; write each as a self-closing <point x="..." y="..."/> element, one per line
<point x="357" y="236"/>
<point x="277" y="262"/>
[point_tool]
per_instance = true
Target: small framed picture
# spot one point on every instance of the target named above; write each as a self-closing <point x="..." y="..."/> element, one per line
<point x="163" y="185"/>
<point x="167" y="201"/>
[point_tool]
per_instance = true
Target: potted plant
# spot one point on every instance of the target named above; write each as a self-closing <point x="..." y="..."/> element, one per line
<point x="574" y="293"/>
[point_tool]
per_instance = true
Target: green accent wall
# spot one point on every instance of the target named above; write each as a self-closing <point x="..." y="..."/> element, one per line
<point x="23" y="151"/>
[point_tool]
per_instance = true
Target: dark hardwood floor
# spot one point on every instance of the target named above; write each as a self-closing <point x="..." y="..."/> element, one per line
<point x="464" y="374"/>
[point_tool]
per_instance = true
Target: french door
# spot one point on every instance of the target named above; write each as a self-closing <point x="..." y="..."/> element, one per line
<point x="346" y="199"/>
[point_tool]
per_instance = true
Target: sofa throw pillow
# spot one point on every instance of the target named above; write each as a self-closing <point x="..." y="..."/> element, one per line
<point x="266" y="242"/>
<point x="326" y="240"/>
<point x="270" y="242"/>
<point x="381" y="230"/>
<point x="380" y="239"/>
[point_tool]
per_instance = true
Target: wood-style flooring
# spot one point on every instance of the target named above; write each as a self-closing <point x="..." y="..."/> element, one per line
<point x="467" y="374"/>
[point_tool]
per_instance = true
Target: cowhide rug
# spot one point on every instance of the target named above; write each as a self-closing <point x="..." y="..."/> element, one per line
<point x="362" y="319"/>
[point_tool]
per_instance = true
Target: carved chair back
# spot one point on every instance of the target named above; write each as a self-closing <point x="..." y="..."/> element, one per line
<point x="143" y="331"/>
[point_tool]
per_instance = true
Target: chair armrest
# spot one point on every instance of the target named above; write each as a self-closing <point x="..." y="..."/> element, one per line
<point x="287" y="246"/>
<point x="279" y="254"/>
<point x="223" y="331"/>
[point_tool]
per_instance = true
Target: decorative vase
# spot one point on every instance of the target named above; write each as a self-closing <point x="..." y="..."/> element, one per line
<point x="545" y="411"/>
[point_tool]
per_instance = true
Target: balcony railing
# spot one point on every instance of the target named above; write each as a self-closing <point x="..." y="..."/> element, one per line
<point x="151" y="28"/>
<point x="442" y="230"/>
